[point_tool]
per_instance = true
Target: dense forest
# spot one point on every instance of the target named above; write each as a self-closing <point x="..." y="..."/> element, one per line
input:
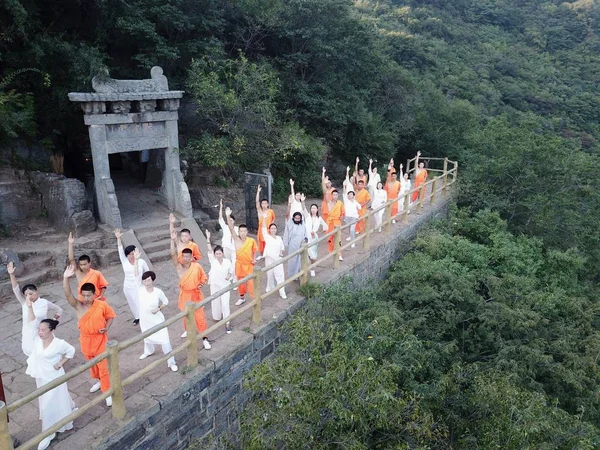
<point x="486" y="335"/>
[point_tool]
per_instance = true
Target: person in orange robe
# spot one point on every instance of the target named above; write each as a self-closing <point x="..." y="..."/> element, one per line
<point x="266" y="216"/>
<point x="191" y="279"/>
<point x="363" y="197"/>
<point x="392" y="187"/>
<point x="85" y="273"/>
<point x="246" y="251"/>
<point x="334" y="219"/>
<point x="94" y="320"/>
<point x="327" y="189"/>
<point x="420" y="177"/>
<point x="185" y="241"/>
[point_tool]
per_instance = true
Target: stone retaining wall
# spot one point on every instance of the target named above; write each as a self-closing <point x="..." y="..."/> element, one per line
<point x="207" y="405"/>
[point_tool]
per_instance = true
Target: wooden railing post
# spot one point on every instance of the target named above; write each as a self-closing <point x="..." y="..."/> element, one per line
<point x="445" y="179"/>
<point x="6" y="441"/>
<point x="406" y="201"/>
<point x="367" y="238"/>
<point x="433" y="191"/>
<point x="388" y="218"/>
<point x="420" y="199"/>
<point x="256" y="313"/>
<point x="337" y="246"/>
<point x="192" y="335"/>
<point x="304" y="264"/>
<point x="118" y="403"/>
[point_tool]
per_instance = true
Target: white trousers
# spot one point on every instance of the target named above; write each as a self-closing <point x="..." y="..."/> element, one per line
<point x="379" y="217"/>
<point x="166" y="348"/>
<point x="220" y="306"/>
<point x="275" y="276"/>
<point x="230" y="254"/>
<point x="131" y="294"/>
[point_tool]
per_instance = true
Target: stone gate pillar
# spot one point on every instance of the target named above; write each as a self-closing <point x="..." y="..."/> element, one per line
<point x="133" y="115"/>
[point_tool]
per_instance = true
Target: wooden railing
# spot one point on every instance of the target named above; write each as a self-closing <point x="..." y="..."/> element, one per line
<point x="438" y="185"/>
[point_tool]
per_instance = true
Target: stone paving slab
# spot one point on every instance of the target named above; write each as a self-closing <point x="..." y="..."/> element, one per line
<point x="142" y="394"/>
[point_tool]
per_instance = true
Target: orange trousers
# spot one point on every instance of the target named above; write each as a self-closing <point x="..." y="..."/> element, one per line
<point x="330" y="227"/>
<point x="100" y="372"/>
<point x="199" y="318"/>
<point x="242" y="271"/>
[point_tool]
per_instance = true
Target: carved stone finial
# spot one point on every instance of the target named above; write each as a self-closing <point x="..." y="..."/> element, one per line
<point x="157" y="83"/>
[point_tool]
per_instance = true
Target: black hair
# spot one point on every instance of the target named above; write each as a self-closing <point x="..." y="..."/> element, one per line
<point x="218" y="248"/>
<point x="335" y="190"/>
<point x="187" y="251"/>
<point x="264" y="200"/>
<point x="85" y="258"/>
<point x="314" y="204"/>
<point x="361" y="181"/>
<point x="273" y="225"/>
<point x="297" y="214"/>
<point x="52" y="324"/>
<point x="129" y="249"/>
<point x="231" y="215"/>
<point x="28" y="286"/>
<point x="350" y="192"/>
<point x="185" y="230"/>
<point x="243" y="226"/>
<point x="88" y="287"/>
<point x="150" y="274"/>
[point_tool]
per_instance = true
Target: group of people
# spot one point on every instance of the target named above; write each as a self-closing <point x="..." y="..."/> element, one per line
<point x="234" y="259"/>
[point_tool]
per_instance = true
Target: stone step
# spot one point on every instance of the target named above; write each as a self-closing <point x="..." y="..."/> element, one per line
<point x="37" y="278"/>
<point x="159" y="256"/>
<point x="34" y="263"/>
<point x="158" y="246"/>
<point x="148" y="237"/>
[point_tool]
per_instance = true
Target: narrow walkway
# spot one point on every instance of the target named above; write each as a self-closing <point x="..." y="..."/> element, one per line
<point x="93" y="427"/>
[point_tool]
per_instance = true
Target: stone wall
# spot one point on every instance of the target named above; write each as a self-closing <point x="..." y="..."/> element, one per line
<point x="207" y="405"/>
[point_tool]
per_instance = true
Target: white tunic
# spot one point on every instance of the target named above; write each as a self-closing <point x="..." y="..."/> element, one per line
<point x="352" y="207"/>
<point x="220" y="274"/>
<point x="148" y="302"/>
<point x="295" y="207"/>
<point x="379" y="198"/>
<point x="42" y="309"/>
<point x="374" y="178"/>
<point x="131" y="281"/>
<point x="57" y="403"/>
<point x="274" y="247"/>
<point x="312" y="226"/>
<point x="227" y="241"/>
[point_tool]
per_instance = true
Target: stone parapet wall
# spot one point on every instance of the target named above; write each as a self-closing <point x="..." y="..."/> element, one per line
<point x="207" y="405"/>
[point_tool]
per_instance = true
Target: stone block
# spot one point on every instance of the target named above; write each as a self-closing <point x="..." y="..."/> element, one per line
<point x="18" y="200"/>
<point x="7" y="255"/>
<point x="82" y="222"/>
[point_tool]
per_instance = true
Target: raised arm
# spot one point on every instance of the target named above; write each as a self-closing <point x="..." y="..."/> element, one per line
<point x="370" y="167"/>
<point x="346" y="181"/>
<point x="417" y="160"/>
<point x="30" y="311"/>
<point x="355" y="173"/>
<point x="230" y="226"/>
<point x="400" y="177"/>
<point x="172" y="220"/>
<point x="211" y="253"/>
<point x="174" y="248"/>
<point x="257" y="200"/>
<point x="10" y="268"/>
<point x="71" y="240"/>
<point x="390" y="169"/>
<point x="324" y="180"/>
<point x="118" y="235"/>
<point x="69" y="272"/>
<point x="137" y="255"/>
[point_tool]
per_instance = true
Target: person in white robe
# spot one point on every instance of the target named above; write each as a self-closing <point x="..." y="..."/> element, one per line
<point x="42" y="308"/>
<point x="374" y="178"/>
<point x="227" y="239"/>
<point x="294" y="202"/>
<point x="274" y="249"/>
<point x="131" y="282"/>
<point x="152" y="301"/>
<point x="312" y="223"/>
<point x="293" y="237"/>
<point x="379" y="199"/>
<point x="45" y="363"/>
<point x="219" y="277"/>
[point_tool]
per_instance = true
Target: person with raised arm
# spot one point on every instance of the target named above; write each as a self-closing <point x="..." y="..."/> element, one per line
<point x="293" y="237"/>
<point x="327" y="194"/>
<point x="227" y="240"/>
<point x="42" y="308"/>
<point x="351" y="207"/>
<point x="266" y="215"/>
<point x="314" y="222"/>
<point x="294" y="202"/>
<point x="392" y="187"/>
<point x="363" y="198"/>
<point x="420" y="177"/>
<point x="94" y="318"/>
<point x="374" y="178"/>
<point x="184" y="241"/>
<point x="152" y="301"/>
<point x="379" y="199"/>
<point x="131" y="282"/>
<point x="219" y="277"/>
<point x="85" y="273"/>
<point x="191" y="279"/>
<point x="246" y="252"/>
<point x="358" y="174"/>
<point x="335" y="215"/>
<point x="274" y="249"/>
<point x="45" y="364"/>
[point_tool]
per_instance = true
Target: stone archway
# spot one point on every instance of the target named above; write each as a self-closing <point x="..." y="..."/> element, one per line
<point x="133" y="115"/>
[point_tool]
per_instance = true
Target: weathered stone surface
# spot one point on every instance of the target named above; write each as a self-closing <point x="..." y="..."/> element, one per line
<point x="157" y="83"/>
<point x="18" y="200"/>
<point x="7" y="255"/>
<point x="82" y="222"/>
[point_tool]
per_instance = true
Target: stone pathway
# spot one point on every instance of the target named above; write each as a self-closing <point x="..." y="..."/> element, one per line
<point x="24" y="423"/>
